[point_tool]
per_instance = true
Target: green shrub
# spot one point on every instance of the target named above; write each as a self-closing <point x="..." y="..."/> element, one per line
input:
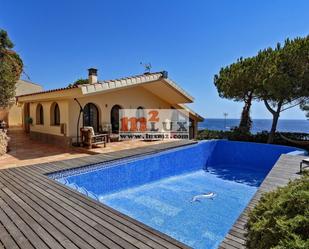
<point x="281" y="218"/>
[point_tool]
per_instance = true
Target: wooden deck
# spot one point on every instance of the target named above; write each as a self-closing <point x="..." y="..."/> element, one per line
<point x="286" y="169"/>
<point x="37" y="212"/>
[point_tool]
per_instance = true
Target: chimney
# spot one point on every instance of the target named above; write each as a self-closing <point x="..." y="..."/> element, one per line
<point x="92" y="75"/>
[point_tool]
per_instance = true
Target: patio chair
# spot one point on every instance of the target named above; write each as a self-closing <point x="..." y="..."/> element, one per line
<point x="106" y="128"/>
<point x="304" y="161"/>
<point x="89" y="138"/>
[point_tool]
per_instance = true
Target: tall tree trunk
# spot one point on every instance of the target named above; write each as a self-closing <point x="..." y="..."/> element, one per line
<point x="276" y="115"/>
<point x="273" y="128"/>
<point x="245" y="121"/>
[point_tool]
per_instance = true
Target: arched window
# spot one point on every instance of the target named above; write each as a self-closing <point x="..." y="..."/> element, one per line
<point x="141" y="119"/>
<point x="91" y="116"/>
<point x="140" y="112"/>
<point x="115" y="118"/>
<point x="55" y="114"/>
<point x="39" y="114"/>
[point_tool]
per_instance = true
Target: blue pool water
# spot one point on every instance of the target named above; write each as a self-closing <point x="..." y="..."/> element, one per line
<point x="157" y="189"/>
<point x="166" y="206"/>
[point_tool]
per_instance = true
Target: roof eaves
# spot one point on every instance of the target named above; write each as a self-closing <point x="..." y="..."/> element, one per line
<point x="47" y="91"/>
<point x="179" y="88"/>
<point x="191" y="111"/>
<point x="130" y="81"/>
<point x="119" y="83"/>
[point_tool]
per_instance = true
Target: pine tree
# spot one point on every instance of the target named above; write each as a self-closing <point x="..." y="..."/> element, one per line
<point x="11" y="67"/>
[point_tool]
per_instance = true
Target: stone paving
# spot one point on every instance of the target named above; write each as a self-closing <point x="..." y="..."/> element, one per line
<point x="24" y="151"/>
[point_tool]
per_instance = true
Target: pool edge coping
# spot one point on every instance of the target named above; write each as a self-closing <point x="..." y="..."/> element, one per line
<point x="234" y="239"/>
<point x="284" y="170"/>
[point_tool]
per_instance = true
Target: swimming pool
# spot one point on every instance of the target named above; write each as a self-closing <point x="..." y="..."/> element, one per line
<point x="158" y="189"/>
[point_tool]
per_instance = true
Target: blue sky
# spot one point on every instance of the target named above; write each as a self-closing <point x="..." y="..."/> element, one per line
<point x="59" y="40"/>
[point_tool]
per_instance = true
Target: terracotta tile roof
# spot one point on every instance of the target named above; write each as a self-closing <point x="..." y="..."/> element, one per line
<point x="48" y="91"/>
<point x="110" y="82"/>
<point x="131" y="81"/>
<point x="121" y="82"/>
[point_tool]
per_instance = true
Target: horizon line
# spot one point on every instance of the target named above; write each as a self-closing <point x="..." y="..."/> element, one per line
<point x="263" y="119"/>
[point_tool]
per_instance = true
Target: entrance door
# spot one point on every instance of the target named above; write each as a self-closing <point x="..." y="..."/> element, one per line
<point x="115" y="118"/>
<point x="91" y="116"/>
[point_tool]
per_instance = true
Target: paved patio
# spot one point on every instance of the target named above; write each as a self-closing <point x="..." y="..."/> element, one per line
<point x="24" y="151"/>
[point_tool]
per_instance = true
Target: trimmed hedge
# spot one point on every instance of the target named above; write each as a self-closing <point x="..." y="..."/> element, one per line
<point x="260" y="137"/>
<point x="281" y="218"/>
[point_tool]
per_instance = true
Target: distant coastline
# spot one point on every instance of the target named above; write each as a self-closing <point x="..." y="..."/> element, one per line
<point x="284" y="125"/>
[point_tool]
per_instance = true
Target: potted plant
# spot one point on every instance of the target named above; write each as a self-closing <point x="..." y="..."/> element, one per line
<point x="29" y="120"/>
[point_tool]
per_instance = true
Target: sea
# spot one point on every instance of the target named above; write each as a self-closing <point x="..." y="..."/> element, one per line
<point x="284" y="125"/>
